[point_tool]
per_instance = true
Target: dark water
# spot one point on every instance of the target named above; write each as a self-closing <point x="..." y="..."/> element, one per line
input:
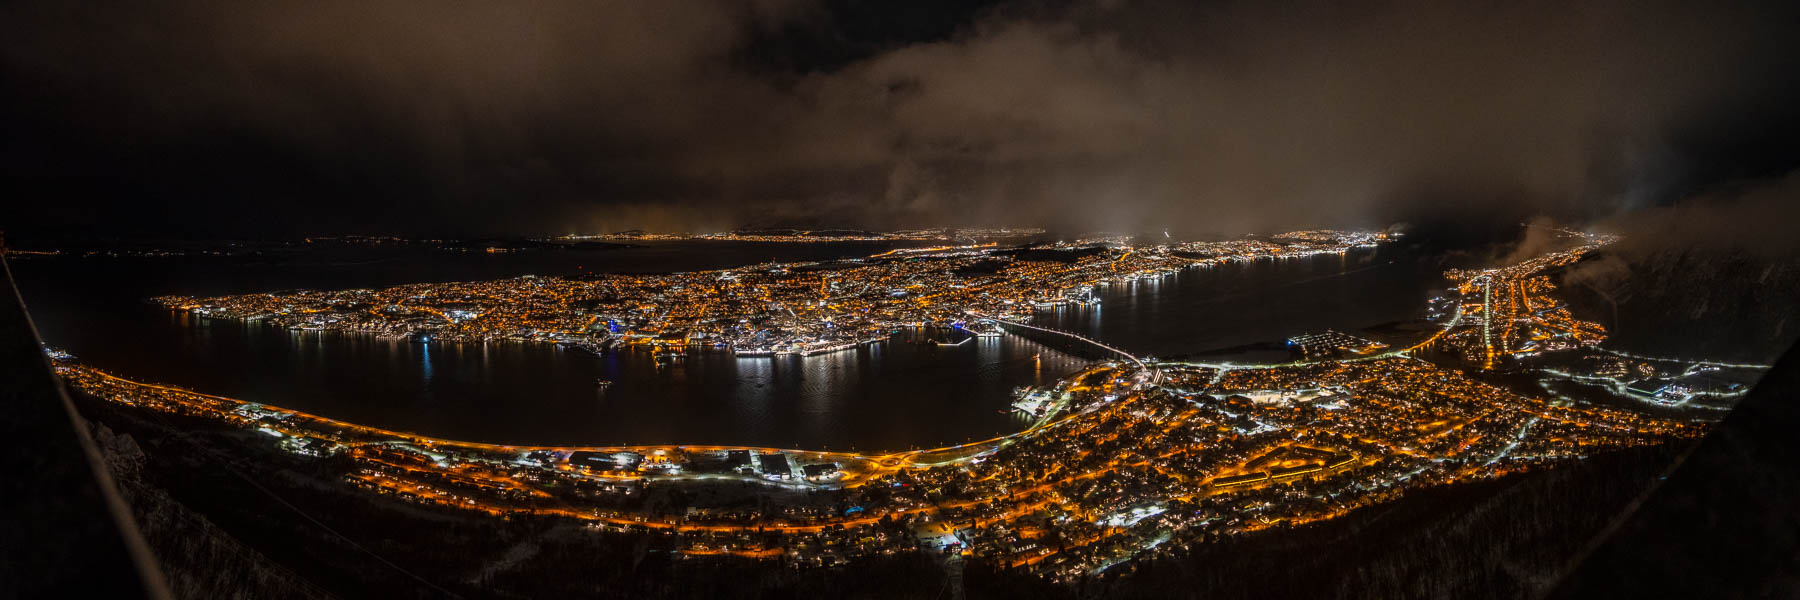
<point x="1253" y="303"/>
<point x="891" y="395"/>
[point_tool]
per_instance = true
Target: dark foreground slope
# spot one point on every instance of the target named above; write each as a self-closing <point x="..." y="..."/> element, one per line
<point x="63" y="530"/>
<point x="349" y="543"/>
<point x="1720" y="518"/>
<point x="1507" y="538"/>
<point x="1726" y="522"/>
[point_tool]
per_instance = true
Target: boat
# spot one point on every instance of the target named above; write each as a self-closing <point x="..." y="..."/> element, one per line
<point x="603" y="383"/>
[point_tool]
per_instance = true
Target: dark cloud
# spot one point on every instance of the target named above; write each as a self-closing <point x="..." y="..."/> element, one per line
<point x="1754" y="218"/>
<point x="1198" y="117"/>
<point x="1717" y="274"/>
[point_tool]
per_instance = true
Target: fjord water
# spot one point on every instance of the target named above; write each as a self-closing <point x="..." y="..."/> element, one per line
<point x="1242" y="310"/>
<point x="892" y="395"/>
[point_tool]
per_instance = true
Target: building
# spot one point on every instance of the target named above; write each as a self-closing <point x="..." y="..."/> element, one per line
<point x="1237" y="480"/>
<point x="737" y="458"/>
<point x="605" y="461"/>
<point x="1332" y="343"/>
<point x="820" y="471"/>
<point x="775" y="465"/>
<point x="1648" y="388"/>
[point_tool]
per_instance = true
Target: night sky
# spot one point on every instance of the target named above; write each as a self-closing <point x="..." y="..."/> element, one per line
<point x="232" y="119"/>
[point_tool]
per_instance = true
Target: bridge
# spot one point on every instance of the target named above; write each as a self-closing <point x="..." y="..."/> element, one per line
<point x="1071" y="335"/>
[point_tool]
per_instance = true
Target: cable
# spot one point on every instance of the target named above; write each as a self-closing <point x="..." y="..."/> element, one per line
<point x="148" y="569"/>
<point x="184" y="436"/>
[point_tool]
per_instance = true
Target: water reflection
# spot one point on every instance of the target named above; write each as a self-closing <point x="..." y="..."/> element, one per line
<point x="1239" y="305"/>
<point x="425" y="362"/>
<point x="905" y="392"/>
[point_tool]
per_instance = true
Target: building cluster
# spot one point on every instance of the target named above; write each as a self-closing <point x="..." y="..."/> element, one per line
<point x="1331" y="344"/>
<point x="1293" y="244"/>
<point x="1502" y="316"/>
<point x="788" y="236"/>
<point x="1126" y="459"/>
<point x="1659" y="381"/>
<point x="769" y="309"/>
<point x="1128" y="467"/>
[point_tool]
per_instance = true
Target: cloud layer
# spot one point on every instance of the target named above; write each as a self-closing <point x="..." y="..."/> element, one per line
<point x="1203" y="118"/>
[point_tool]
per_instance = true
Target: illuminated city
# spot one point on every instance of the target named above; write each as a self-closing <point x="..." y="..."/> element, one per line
<point x="940" y="300"/>
<point x="1124" y="456"/>
<point x="769" y="309"/>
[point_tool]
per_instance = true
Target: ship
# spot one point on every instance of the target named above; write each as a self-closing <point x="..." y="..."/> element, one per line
<point x="667" y="356"/>
<point x="986" y="329"/>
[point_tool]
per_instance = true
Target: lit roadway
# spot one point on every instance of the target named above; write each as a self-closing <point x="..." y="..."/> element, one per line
<point x="860" y="467"/>
<point x="1146" y="374"/>
<point x="1407" y="413"/>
